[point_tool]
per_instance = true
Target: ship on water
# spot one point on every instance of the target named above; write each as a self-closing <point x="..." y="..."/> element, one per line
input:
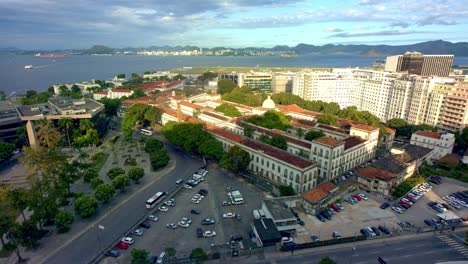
<point x="49" y="55"/>
<point x="28" y="67"/>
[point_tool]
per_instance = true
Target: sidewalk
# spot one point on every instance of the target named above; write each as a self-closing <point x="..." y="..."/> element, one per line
<point x="55" y="242"/>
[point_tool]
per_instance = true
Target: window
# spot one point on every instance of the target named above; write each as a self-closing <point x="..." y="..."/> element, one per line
<point x="268" y="164"/>
<point x="279" y="168"/>
<point x="272" y="166"/>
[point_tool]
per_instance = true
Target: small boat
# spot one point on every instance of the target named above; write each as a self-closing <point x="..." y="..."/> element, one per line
<point x="27" y="67"/>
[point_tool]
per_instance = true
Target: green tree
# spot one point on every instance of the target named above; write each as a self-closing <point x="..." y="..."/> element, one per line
<point x="279" y="142"/>
<point x="19" y="199"/>
<point x="2" y="95"/>
<point x="86" y="124"/>
<point x="140" y="256"/>
<point x="272" y="120"/>
<point x="236" y="159"/>
<point x="66" y="123"/>
<point x="6" y="224"/>
<point x="153" y="115"/>
<point x="211" y="148"/>
<point x="198" y="254"/>
<point x="248" y="130"/>
<point x="90" y="174"/>
<point x="114" y="172"/>
<point x="225" y="86"/>
<point x="63" y="220"/>
<point x="136" y="115"/>
<point x="207" y="76"/>
<point x="179" y="77"/>
<point x="326" y="260"/>
<point x="121" y="182"/>
<point x="27" y="234"/>
<point x="47" y="135"/>
<point x="86" y="206"/>
<point x="104" y="192"/>
<point x="135" y="174"/>
<point x="6" y="149"/>
<point x="286" y="190"/>
<point x="228" y="110"/>
<point x="159" y="159"/>
<point x="311" y="135"/>
<point x="407" y="185"/>
<point x="153" y="145"/>
<point x="95" y="182"/>
<point x="120" y="76"/>
<point x="111" y="106"/>
<point x="327" y="119"/>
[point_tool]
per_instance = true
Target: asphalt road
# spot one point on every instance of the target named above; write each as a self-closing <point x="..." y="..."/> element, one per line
<point x="421" y="250"/>
<point x="89" y="244"/>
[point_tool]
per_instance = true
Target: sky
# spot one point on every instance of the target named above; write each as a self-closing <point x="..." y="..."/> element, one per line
<point x="63" y="24"/>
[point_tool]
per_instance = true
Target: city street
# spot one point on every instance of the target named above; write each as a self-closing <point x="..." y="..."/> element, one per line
<point x="84" y="248"/>
<point x="419" y="250"/>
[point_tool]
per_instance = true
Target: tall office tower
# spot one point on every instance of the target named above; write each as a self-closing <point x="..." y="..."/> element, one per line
<point x="282" y="82"/>
<point x="257" y="81"/>
<point x="417" y="63"/>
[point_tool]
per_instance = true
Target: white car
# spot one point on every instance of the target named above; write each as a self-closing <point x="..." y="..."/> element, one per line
<point x="407" y="201"/>
<point x="209" y="233"/>
<point x="340" y="206"/>
<point x="137" y="232"/>
<point x="186" y="219"/>
<point x="153" y="218"/>
<point x="229" y="215"/>
<point x="186" y="186"/>
<point x="397" y="209"/>
<point x="286" y="240"/>
<point x="171" y="226"/>
<point x="128" y="240"/>
<point x="363" y="196"/>
<point x="163" y="208"/>
<point x="183" y="224"/>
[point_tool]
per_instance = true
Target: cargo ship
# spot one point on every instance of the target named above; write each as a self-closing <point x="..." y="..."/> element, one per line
<point x="42" y="55"/>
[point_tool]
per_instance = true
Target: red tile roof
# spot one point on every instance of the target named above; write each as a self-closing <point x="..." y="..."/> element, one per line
<point x="276" y="132"/>
<point x="320" y="192"/>
<point x="352" y="142"/>
<point x="328" y="141"/>
<point x="173" y="83"/>
<point x="373" y="173"/>
<point x="122" y="90"/>
<point x="226" y="134"/>
<point x="307" y="124"/>
<point x="220" y="117"/>
<point x="282" y="155"/>
<point x="153" y="85"/>
<point x="102" y="93"/>
<point x="365" y="127"/>
<point x="389" y="130"/>
<point x="450" y="159"/>
<point x="188" y="104"/>
<point x="428" y="134"/>
<point x="296" y="109"/>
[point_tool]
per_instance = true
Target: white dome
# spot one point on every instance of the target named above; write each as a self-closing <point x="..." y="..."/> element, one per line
<point x="268" y="103"/>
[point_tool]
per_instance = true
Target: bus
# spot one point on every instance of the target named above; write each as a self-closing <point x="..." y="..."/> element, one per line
<point x="158" y="197"/>
<point x="146" y="132"/>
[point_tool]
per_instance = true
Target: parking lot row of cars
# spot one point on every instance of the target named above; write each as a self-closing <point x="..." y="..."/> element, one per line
<point x="375" y="231"/>
<point x="410" y="198"/>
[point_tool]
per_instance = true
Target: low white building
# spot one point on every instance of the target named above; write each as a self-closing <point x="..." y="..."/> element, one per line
<point x="441" y="143"/>
<point x="100" y="95"/>
<point x="119" y="93"/>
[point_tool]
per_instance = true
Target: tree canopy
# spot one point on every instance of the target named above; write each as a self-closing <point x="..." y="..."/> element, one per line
<point x="311" y="135"/>
<point x="327" y="119"/>
<point x="244" y="95"/>
<point x="235" y="159"/>
<point x="85" y="206"/>
<point x="206" y="76"/>
<point x="228" y="110"/>
<point x="275" y="141"/>
<point x="139" y="114"/>
<point x="271" y="119"/>
<point x="405" y="129"/>
<point x="104" y="192"/>
<point x="225" y="86"/>
<point x="286" y="190"/>
<point x="6" y="149"/>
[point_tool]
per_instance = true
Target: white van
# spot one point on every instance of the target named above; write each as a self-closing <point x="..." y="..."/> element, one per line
<point x="162" y="258"/>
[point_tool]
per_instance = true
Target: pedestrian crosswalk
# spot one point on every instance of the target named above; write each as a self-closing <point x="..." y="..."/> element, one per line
<point x="461" y="248"/>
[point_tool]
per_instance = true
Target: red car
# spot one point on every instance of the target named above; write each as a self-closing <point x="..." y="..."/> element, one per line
<point x="334" y="207"/>
<point x="357" y="197"/>
<point x="407" y="204"/>
<point x="122" y="245"/>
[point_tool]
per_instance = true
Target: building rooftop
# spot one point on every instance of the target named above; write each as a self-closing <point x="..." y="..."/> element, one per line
<point x="226" y="134"/>
<point x="267" y="230"/>
<point x="303" y="123"/>
<point x="275" y="132"/>
<point x="331" y="128"/>
<point x="320" y="192"/>
<point x="191" y="105"/>
<point x="414" y="152"/>
<point x="352" y="142"/>
<point x="373" y="173"/>
<point x="328" y="141"/>
<point x="450" y="159"/>
<point x="428" y="134"/>
<point x="218" y="116"/>
<point x="278" y="154"/>
<point x="277" y="209"/>
<point x="63" y="104"/>
<point x="296" y="109"/>
<point x="122" y="90"/>
<point x="390" y="164"/>
<point x="365" y="127"/>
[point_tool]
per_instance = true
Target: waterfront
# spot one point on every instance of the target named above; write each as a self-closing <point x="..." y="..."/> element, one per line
<point x="46" y="72"/>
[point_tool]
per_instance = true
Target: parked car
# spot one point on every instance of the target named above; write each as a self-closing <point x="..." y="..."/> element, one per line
<point x="365" y="232"/>
<point x="335" y="207"/>
<point x="397" y="209"/>
<point x="320" y="217"/>
<point x="195" y="211"/>
<point x="127" y="240"/>
<point x="357" y="197"/>
<point x="384" y="205"/>
<point x="428" y="222"/>
<point x="145" y="224"/>
<point x="186" y="186"/>
<point x="183" y="223"/>
<point x="122" y="245"/>
<point x="336" y="234"/>
<point x="405" y="206"/>
<point x="137" y="232"/>
<point x="171" y="226"/>
<point x="363" y="196"/>
<point x="384" y="230"/>
<point x="208" y="221"/>
<point x="286" y="240"/>
<point x="314" y="238"/>
<point x="179" y="181"/>
<point x="340" y="206"/>
<point x="153" y="218"/>
<point x="226" y="203"/>
<point x="407" y="201"/>
<point x="209" y="233"/>
<point x="229" y="215"/>
<point x="203" y="192"/>
<point x="376" y="230"/>
<point x="163" y="208"/>
<point x="199" y="232"/>
<point x="112" y="253"/>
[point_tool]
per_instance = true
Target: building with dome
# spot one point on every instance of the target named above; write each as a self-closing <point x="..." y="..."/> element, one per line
<point x="268" y="103"/>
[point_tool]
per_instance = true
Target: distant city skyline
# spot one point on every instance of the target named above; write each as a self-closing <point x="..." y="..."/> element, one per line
<point x="53" y="24"/>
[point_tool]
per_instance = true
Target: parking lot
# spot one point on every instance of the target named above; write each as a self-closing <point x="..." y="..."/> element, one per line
<point x="184" y="240"/>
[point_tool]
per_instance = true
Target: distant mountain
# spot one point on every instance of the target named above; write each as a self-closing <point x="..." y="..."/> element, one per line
<point x="429" y="47"/>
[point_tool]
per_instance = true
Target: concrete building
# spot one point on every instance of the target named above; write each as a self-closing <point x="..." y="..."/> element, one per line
<point x="282" y="82"/>
<point x="119" y="93"/>
<point x="10" y="122"/>
<point x="419" y="64"/>
<point x="441" y="143"/>
<point x="455" y="109"/>
<point x="280" y="214"/>
<point x="318" y="196"/>
<point x="257" y="81"/>
<point x="266" y="232"/>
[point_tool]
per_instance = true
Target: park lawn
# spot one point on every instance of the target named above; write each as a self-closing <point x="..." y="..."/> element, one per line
<point x="99" y="159"/>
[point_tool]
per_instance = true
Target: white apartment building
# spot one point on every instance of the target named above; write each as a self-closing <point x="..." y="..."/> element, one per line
<point x="119" y="93"/>
<point x="441" y="143"/>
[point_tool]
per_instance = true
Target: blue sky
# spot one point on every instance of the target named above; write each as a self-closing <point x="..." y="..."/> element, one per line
<point x="50" y="24"/>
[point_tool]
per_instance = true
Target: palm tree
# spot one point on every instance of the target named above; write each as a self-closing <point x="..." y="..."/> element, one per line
<point x="66" y="123"/>
<point x="86" y="124"/>
<point x="47" y="134"/>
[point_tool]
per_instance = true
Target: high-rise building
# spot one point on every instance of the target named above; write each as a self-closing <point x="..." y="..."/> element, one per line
<point x="282" y="82"/>
<point x="257" y="81"/>
<point x="417" y="63"/>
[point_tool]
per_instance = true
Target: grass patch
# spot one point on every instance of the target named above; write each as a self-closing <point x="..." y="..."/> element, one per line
<point x="459" y="173"/>
<point x="99" y="159"/>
